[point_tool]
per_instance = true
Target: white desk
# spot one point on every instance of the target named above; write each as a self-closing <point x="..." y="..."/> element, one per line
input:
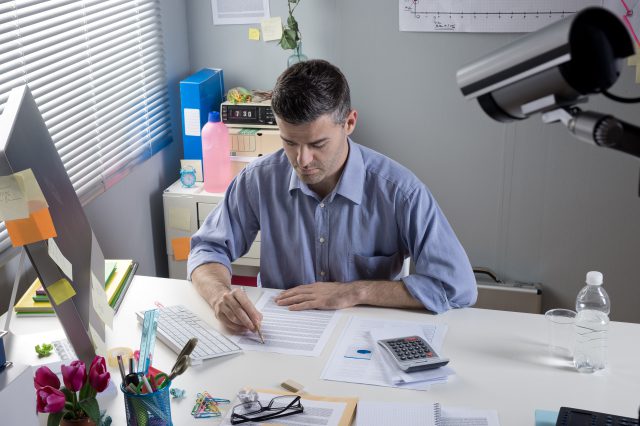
<point x="500" y="359"/>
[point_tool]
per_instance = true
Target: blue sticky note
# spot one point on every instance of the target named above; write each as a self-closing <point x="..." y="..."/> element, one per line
<point x="546" y="418"/>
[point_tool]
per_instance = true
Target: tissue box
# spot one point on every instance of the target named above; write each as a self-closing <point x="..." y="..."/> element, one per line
<point x="200" y="94"/>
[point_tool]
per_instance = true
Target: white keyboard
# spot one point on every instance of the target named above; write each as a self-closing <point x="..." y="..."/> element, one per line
<point x="177" y="324"/>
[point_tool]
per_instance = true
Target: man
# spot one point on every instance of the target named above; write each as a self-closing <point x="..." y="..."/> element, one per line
<point x="337" y="219"/>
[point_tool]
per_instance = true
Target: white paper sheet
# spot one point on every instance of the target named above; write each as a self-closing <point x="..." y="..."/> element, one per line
<point x="394" y="413"/>
<point x="315" y="413"/>
<point x="56" y="255"/>
<point x="289" y="332"/>
<point x="344" y="367"/>
<point x="227" y="12"/>
<point x="486" y="16"/>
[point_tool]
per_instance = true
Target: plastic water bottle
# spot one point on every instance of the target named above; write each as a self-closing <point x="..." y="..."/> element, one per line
<point x="216" y="148"/>
<point x="591" y="324"/>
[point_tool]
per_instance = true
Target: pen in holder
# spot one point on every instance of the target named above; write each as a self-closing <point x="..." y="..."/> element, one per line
<point x="148" y="409"/>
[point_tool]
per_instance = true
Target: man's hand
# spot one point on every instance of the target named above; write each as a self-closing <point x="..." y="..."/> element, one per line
<point x="319" y="296"/>
<point x="236" y="312"/>
<point x="232" y="307"/>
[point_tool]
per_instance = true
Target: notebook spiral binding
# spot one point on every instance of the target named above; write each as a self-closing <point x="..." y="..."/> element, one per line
<point x="437" y="414"/>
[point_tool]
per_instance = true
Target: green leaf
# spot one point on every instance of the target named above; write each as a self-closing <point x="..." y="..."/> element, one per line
<point x="289" y="39"/>
<point x="54" y="418"/>
<point x="84" y="390"/>
<point x="91" y="408"/>
<point x="68" y="395"/>
<point x="292" y="23"/>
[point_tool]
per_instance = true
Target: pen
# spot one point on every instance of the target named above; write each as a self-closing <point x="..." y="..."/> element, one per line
<point x="123" y="374"/>
<point x="260" y="334"/>
<point x="257" y="326"/>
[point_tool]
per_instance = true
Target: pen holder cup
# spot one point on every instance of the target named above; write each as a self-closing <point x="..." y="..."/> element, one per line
<point x="152" y="409"/>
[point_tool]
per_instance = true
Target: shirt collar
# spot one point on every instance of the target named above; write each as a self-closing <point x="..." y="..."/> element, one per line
<point x="351" y="183"/>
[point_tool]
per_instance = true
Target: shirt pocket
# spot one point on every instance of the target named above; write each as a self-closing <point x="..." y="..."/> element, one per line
<point x="376" y="267"/>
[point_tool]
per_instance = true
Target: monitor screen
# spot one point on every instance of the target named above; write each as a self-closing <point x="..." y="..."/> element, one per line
<point x="25" y="143"/>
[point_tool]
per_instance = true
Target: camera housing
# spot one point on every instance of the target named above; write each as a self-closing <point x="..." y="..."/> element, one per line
<point x="555" y="67"/>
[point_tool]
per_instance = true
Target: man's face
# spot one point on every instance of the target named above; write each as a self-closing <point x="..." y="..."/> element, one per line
<point x="318" y="150"/>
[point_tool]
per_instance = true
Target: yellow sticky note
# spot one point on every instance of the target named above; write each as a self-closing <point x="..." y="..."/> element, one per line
<point x="37" y="227"/>
<point x="181" y="247"/>
<point x="61" y="291"/>
<point x="179" y="218"/>
<point x="31" y="189"/>
<point x="254" y="34"/>
<point x="13" y="203"/>
<point x="271" y="28"/>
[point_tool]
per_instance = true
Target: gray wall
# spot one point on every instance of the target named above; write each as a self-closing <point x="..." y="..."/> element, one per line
<point x="128" y="219"/>
<point x="525" y="199"/>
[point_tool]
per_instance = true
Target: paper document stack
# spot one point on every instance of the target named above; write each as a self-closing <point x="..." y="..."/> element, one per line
<point x="357" y="358"/>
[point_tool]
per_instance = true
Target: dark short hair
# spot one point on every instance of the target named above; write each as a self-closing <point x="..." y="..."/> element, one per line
<point x="310" y="89"/>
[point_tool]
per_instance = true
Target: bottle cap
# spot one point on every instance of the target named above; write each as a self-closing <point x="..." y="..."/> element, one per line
<point x="594" y="278"/>
<point x="214" y="116"/>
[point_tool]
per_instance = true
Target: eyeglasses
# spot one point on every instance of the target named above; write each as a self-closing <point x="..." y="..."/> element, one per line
<point x="280" y="406"/>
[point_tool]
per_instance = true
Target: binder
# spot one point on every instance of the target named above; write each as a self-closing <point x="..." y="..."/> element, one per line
<point x="200" y="94"/>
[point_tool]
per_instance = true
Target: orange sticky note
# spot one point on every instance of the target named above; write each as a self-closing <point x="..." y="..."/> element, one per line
<point x="181" y="247"/>
<point x="61" y="291"/>
<point x="37" y="227"/>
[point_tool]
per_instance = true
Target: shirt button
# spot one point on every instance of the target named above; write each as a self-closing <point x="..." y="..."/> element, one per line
<point x="322" y="273"/>
<point x="322" y="205"/>
<point x="321" y="239"/>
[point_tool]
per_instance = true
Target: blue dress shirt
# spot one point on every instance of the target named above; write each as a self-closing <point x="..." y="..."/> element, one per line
<point x="378" y="214"/>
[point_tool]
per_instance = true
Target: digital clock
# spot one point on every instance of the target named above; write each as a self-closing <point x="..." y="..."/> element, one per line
<point x="256" y="115"/>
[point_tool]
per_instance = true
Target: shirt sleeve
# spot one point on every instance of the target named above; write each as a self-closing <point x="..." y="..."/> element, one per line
<point x="444" y="277"/>
<point x="229" y="230"/>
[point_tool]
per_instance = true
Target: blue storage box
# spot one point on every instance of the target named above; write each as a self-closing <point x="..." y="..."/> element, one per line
<point x="200" y="93"/>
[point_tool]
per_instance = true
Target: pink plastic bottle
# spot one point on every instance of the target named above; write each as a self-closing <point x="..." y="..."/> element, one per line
<point x="215" y="154"/>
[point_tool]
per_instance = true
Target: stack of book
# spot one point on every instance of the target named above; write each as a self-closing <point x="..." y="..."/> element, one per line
<point x="118" y="276"/>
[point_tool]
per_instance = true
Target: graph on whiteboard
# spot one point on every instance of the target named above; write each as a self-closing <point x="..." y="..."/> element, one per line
<point x="502" y="15"/>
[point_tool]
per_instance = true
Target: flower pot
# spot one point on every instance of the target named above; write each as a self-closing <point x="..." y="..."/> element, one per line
<point x="85" y="421"/>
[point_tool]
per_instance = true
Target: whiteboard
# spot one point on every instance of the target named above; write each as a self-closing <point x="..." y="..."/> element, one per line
<point x="515" y="16"/>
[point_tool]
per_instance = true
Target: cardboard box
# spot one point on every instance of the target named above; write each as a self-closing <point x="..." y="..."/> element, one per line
<point x="200" y="94"/>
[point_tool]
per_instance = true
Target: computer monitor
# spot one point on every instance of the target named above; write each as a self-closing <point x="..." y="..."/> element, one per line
<point x="25" y="143"/>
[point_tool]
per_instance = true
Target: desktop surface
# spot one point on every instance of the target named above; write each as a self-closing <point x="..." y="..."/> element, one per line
<point x="500" y="359"/>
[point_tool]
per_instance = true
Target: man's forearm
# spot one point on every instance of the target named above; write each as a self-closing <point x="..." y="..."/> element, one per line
<point x="391" y="294"/>
<point x="212" y="280"/>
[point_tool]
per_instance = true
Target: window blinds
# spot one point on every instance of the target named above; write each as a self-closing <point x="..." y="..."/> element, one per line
<point x="96" y="70"/>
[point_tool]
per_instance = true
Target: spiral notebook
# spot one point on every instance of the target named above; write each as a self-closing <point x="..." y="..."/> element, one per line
<point x="421" y="414"/>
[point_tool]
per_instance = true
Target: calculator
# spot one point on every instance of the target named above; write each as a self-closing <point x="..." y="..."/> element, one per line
<point x="413" y="353"/>
<point x="575" y="417"/>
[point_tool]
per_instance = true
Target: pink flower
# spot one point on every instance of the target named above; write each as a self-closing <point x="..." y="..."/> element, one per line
<point x="49" y="400"/>
<point x="45" y="377"/>
<point x="73" y="375"/>
<point x="98" y="374"/>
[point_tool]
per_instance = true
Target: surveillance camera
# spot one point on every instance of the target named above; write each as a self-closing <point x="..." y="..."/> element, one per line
<point x="552" y="68"/>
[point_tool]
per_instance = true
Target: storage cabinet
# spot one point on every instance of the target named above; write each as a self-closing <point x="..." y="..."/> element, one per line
<point x="185" y="209"/>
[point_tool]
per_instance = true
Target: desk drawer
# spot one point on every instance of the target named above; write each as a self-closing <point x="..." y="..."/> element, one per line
<point x="203" y="211"/>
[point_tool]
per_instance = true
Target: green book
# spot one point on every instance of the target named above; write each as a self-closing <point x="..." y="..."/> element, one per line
<point x="109" y="271"/>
